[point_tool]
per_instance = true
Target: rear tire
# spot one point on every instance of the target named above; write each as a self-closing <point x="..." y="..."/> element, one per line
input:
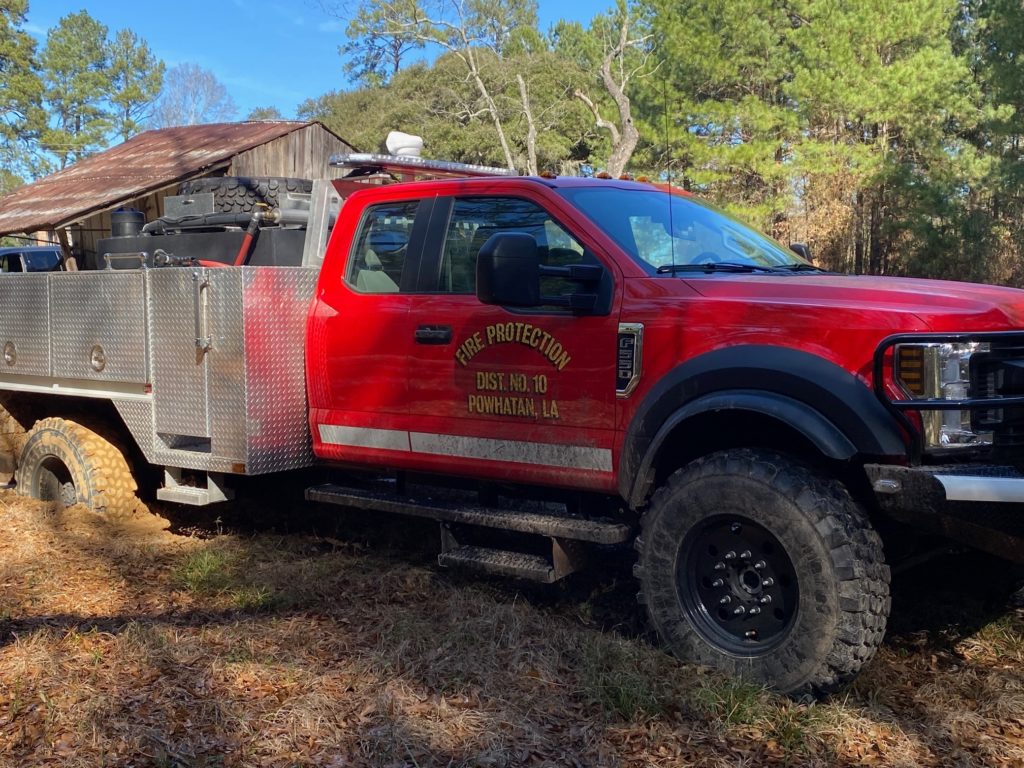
<point x="12" y="439"/>
<point x="66" y="462"/>
<point x="760" y="567"/>
<point x="240" y="194"/>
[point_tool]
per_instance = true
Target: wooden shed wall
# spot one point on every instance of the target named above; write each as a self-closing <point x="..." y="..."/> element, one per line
<point x="97" y="226"/>
<point x="303" y="154"/>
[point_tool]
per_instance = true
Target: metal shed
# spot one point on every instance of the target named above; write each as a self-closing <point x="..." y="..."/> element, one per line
<point x="73" y="206"/>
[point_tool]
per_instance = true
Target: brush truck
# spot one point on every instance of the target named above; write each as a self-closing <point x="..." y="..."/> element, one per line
<point x="555" y="369"/>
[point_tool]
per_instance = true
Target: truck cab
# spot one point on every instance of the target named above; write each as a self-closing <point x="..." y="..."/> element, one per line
<point x="436" y="380"/>
<point x="756" y="419"/>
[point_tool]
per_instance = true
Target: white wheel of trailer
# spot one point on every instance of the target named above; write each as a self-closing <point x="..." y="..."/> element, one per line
<point x="64" y="461"/>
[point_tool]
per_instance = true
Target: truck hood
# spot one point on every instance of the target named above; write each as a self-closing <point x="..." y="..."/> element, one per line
<point x="940" y="305"/>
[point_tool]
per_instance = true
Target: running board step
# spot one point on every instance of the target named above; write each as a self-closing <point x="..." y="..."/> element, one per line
<point x="500" y="562"/>
<point x="558" y="526"/>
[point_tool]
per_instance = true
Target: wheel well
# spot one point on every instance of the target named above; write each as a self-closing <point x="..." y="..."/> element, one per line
<point x="96" y="414"/>
<point x="713" y="431"/>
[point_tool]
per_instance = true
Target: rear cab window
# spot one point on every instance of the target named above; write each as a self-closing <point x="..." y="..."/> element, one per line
<point x="380" y="250"/>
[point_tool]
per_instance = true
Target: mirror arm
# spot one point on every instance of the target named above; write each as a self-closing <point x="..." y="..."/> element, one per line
<point x="582" y="273"/>
<point x="577" y="302"/>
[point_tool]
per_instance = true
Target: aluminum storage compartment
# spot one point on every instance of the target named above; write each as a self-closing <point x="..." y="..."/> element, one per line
<point x="206" y="366"/>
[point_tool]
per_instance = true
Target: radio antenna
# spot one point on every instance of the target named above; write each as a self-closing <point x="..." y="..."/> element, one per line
<point x="668" y="155"/>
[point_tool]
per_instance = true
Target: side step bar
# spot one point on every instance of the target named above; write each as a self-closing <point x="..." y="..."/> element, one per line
<point x="516" y="565"/>
<point x="195" y="496"/>
<point x="543" y="524"/>
<point x="567" y="534"/>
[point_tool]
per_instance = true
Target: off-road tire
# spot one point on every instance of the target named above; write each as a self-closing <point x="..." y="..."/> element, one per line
<point x="839" y="591"/>
<point x="12" y="440"/>
<point x="64" y="461"/>
<point x="240" y="194"/>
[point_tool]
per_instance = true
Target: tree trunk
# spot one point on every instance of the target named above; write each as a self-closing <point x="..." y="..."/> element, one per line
<point x="625" y="135"/>
<point x="491" y="107"/>
<point x="858" y="235"/>
<point x="531" y="128"/>
<point x="876" y="250"/>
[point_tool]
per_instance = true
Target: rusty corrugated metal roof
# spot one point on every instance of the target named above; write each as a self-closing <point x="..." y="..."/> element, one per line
<point x="142" y="164"/>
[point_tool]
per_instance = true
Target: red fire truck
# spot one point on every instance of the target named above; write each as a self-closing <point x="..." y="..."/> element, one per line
<point x="552" y="368"/>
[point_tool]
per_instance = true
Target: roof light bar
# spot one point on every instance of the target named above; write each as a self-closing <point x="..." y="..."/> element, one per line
<point x="367" y="163"/>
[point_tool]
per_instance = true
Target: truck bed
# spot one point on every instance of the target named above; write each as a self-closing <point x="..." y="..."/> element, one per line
<point x="205" y="366"/>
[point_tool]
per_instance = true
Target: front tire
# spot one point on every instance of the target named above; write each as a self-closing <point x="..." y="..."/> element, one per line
<point x="758" y="566"/>
<point x="66" y="462"/>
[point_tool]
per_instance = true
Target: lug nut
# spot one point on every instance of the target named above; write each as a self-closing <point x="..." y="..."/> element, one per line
<point x="717" y="583"/>
<point x="750" y="634"/>
<point x="719" y="566"/>
<point x="739" y="610"/>
<point x="735" y="527"/>
<point x="745" y="554"/>
<point x="730" y="555"/>
<point x="760" y="564"/>
<point x="765" y="599"/>
<point x="754" y="611"/>
<point x="725" y="600"/>
<point x="769" y="582"/>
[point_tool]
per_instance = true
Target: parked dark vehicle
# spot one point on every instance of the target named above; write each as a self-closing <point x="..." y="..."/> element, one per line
<point x="35" y="258"/>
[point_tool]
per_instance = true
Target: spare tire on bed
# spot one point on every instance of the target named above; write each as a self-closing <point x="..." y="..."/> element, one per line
<point x="240" y="194"/>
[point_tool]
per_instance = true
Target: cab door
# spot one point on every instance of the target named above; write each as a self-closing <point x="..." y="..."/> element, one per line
<point x="360" y="336"/>
<point x="508" y="393"/>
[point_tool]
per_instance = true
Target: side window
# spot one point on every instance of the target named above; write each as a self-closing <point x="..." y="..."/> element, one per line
<point x="380" y="249"/>
<point x="474" y="220"/>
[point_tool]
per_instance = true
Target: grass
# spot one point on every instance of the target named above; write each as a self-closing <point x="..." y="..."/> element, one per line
<point x="623" y="678"/>
<point x="150" y="649"/>
<point x="205" y="572"/>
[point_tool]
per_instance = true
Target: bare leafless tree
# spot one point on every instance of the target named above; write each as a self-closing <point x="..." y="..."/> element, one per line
<point x="191" y="96"/>
<point x="625" y="59"/>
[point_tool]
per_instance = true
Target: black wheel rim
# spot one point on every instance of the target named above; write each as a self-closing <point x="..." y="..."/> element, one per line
<point x="737" y="585"/>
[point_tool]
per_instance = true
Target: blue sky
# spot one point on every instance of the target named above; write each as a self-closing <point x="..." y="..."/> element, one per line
<point x="265" y="52"/>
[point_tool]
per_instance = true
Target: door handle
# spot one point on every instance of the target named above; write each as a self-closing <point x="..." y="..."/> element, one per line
<point x="433" y="334"/>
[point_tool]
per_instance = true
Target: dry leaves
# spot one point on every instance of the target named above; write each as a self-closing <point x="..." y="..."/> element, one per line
<point x="127" y="645"/>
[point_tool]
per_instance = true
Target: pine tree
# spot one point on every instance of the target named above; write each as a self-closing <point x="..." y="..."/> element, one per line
<point x="136" y="77"/>
<point x="21" y="114"/>
<point x="884" y="96"/>
<point x="77" y="81"/>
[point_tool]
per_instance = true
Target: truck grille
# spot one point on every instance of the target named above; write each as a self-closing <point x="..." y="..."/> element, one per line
<point x="999" y="373"/>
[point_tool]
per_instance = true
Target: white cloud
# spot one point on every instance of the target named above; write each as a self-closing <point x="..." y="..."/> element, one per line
<point x="331" y="26"/>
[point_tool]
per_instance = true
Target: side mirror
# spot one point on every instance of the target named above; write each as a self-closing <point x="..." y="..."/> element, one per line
<point x="801" y="250"/>
<point x="508" y="270"/>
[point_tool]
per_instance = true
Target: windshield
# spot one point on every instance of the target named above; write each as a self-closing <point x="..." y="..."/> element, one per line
<point x="662" y="231"/>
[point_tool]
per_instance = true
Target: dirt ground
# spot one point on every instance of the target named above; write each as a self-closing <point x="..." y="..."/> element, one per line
<point x="156" y="641"/>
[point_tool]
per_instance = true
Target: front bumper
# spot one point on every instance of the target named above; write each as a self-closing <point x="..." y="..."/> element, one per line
<point x="981" y="505"/>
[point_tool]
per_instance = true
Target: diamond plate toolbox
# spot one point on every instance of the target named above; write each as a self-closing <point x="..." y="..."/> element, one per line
<point x="276" y="304"/>
<point x="228" y="367"/>
<point x="98" y="326"/>
<point x="205" y="366"/>
<point x="24" y="325"/>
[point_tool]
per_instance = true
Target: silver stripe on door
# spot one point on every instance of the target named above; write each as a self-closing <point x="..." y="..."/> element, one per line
<point x="572" y="456"/>
<point x="365" y="437"/>
<point x="489" y="449"/>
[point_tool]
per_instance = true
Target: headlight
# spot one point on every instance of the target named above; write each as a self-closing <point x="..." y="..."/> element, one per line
<point x="941" y="372"/>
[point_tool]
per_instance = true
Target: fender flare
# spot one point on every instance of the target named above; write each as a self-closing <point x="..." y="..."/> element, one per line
<point x="832" y="408"/>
